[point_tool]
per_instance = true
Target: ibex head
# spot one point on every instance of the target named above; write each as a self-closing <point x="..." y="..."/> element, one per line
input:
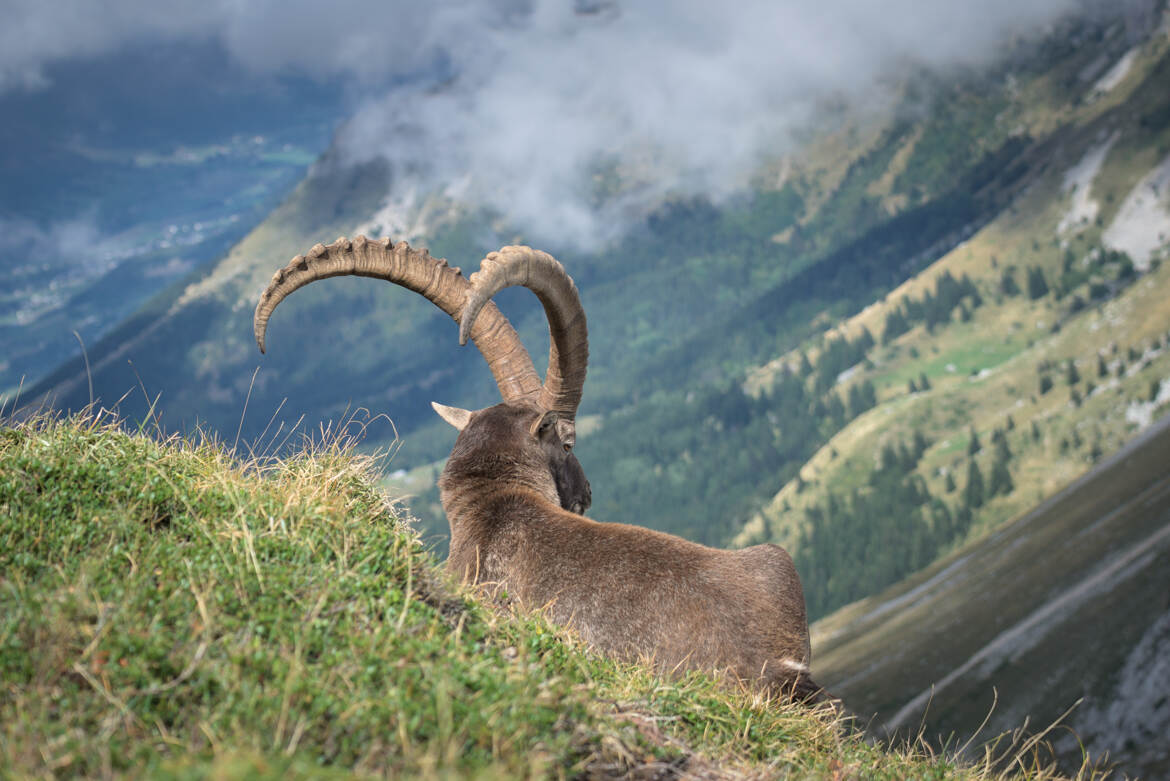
<point x="518" y="444"/>
<point x="535" y="424"/>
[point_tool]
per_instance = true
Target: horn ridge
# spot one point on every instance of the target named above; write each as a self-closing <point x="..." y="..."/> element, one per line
<point x="416" y="270"/>
<point x="568" y="333"/>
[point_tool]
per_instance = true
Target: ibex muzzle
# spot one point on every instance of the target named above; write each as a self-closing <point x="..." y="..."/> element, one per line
<point x="514" y="492"/>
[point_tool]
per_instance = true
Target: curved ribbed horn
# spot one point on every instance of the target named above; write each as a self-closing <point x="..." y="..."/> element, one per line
<point x="568" y="352"/>
<point x="442" y="285"/>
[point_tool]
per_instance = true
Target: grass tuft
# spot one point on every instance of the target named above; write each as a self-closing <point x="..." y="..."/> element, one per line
<point x="167" y="609"/>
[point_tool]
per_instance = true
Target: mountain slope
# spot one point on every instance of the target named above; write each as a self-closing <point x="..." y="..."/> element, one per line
<point x="1014" y="362"/>
<point x="1068" y="604"/>
<point x="679" y="311"/>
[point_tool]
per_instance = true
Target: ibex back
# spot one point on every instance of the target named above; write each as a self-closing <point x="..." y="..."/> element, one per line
<point x="513" y="491"/>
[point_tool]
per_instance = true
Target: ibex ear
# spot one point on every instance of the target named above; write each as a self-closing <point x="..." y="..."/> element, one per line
<point x="454" y="415"/>
<point x="545" y="425"/>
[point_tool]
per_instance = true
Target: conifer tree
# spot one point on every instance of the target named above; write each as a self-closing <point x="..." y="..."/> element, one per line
<point x="896" y="325"/>
<point x="973" y="498"/>
<point x="1037" y="284"/>
<point x="806" y="367"/>
<point x="906" y="458"/>
<point x="862" y="396"/>
<point x="963" y="518"/>
<point x="1000" y="481"/>
<point x="1007" y="282"/>
<point x="969" y="290"/>
<point x="973" y="446"/>
<point x="1002" y="451"/>
<point x="942" y="522"/>
<point x="869" y="394"/>
<point x="920" y="444"/>
<point x="889" y="457"/>
<point x="836" y="409"/>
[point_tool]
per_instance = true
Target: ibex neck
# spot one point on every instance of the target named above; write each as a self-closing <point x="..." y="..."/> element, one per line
<point x="464" y="492"/>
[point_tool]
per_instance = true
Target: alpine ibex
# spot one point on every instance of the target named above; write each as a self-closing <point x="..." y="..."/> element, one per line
<point x="513" y="491"/>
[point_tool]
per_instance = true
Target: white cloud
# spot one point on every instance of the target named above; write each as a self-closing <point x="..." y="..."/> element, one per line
<point x="36" y="33"/>
<point x="523" y="104"/>
<point x="363" y="39"/>
<point x="69" y="242"/>
<point x="687" y="96"/>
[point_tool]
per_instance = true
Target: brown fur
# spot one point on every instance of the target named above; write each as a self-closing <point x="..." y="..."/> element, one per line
<point x="628" y="591"/>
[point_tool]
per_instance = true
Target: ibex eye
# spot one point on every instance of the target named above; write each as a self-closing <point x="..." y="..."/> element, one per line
<point x="567" y="447"/>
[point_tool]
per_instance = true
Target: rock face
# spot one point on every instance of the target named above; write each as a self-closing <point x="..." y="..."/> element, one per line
<point x="1137" y="721"/>
<point x="1142" y="225"/>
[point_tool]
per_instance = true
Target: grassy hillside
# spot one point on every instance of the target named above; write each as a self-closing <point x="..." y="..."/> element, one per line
<point x="171" y="611"/>
<point x="1066" y="607"/>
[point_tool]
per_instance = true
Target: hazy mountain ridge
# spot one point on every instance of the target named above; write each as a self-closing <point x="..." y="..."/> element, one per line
<point x="127" y="173"/>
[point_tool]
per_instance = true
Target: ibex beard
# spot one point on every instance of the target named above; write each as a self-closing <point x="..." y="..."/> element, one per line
<point x="514" y="492"/>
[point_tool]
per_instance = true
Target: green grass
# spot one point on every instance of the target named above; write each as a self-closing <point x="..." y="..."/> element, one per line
<point x="171" y="611"/>
<point x="967" y="354"/>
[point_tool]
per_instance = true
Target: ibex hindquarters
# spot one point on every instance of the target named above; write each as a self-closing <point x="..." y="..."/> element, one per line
<point x="512" y="490"/>
<point x="635" y="595"/>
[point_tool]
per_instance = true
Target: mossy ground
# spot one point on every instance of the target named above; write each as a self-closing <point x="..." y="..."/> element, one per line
<point x="169" y="610"/>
